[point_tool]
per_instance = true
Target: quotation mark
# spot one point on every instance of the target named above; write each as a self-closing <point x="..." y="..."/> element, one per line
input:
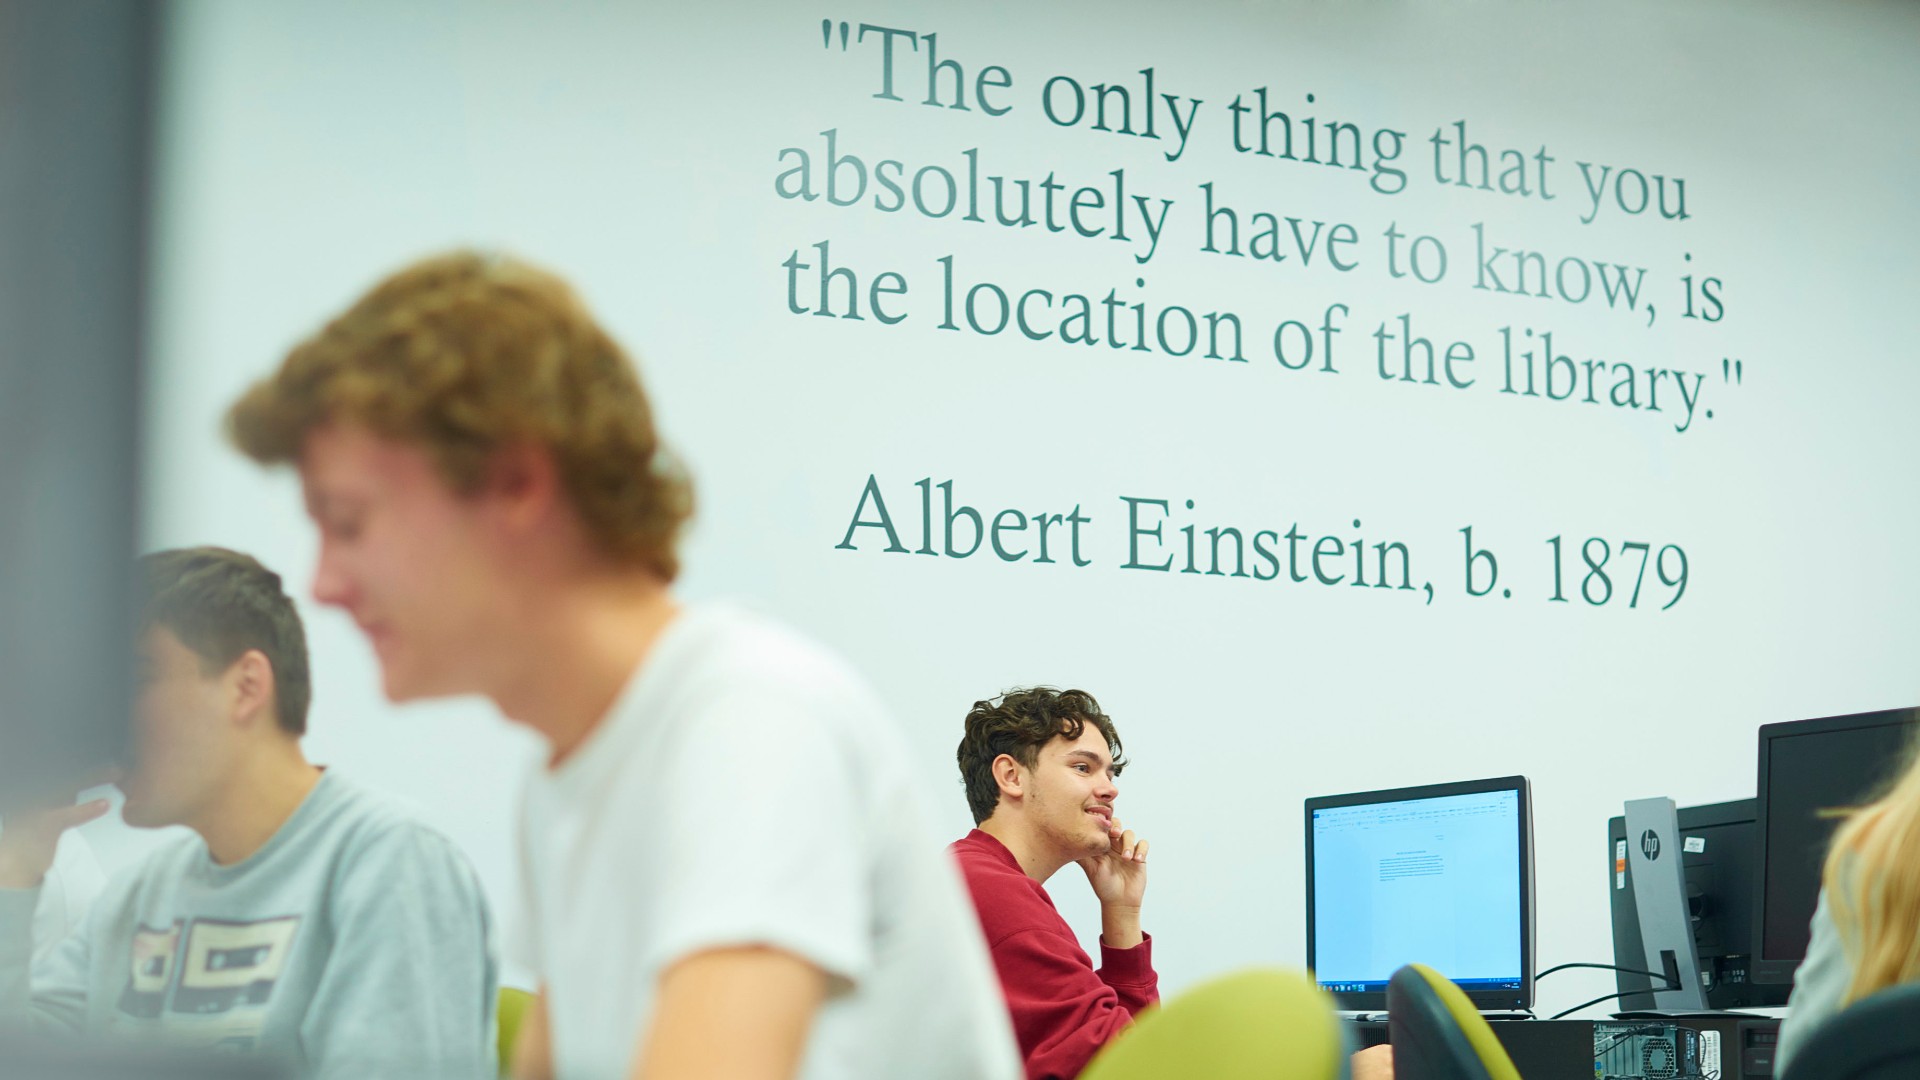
<point x="826" y="35"/>
<point x="1731" y="371"/>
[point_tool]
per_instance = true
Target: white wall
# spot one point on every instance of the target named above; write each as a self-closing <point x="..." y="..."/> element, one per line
<point x="309" y="149"/>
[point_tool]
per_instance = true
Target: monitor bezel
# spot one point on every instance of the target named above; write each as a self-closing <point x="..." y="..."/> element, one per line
<point x="1771" y="969"/>
<point x="1487" y="1000"/>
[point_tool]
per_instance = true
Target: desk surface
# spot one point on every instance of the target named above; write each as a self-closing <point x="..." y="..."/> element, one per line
<point x="1563" y="1049"/>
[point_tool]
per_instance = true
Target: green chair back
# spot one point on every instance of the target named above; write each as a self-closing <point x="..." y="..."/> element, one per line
<point x="1259" y="1024"/>
<point x="1437" y="1033"/>
<point x="512" y="1010"/>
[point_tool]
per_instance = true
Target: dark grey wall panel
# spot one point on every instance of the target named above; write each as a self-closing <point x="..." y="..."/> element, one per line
<point x="76" y="80"/>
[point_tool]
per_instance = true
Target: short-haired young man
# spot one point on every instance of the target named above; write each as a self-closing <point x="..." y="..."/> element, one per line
<point x="1039" y="767"/>
<point x="725" y="869"/>
<point x="305" y="919"/>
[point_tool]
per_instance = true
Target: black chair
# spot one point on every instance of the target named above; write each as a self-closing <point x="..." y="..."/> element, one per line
<point x="1876" y="1038"/>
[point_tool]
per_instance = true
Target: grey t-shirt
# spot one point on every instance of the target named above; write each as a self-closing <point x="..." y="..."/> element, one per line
<point x="356" y="942"/>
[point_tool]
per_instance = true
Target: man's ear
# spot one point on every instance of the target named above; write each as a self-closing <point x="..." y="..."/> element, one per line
<point x="251" y="683"/>
<point x="522" y="480"/>
<point x="1010" y="775"/>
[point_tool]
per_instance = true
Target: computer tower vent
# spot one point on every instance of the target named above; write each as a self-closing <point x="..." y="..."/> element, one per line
<point x="1641" y="1051"/>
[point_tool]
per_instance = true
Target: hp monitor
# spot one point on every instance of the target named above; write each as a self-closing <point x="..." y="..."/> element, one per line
<point x="1720" y="854"/>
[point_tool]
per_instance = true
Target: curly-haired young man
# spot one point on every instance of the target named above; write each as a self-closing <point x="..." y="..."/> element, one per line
<point x="725" y="873"/>
<point x="1039" y="767"/>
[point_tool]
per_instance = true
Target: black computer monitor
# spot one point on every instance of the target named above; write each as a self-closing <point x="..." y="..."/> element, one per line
<point x="1808" y="767"/>
<point x="1720" y="852"/>
<point x="1440" y="875"/>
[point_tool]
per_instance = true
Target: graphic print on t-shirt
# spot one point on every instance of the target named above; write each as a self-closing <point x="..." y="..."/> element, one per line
<point x="153" y="953"/>
<point x="232" y="965"/>
<point x="215" y="985"/>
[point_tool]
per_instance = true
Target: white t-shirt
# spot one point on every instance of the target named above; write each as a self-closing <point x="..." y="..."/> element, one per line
<point x="746" y="789"/>
<point x="70" y="887"/>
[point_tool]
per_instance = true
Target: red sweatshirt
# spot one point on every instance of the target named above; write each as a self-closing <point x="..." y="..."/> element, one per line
<point x="1063" y="1010"/>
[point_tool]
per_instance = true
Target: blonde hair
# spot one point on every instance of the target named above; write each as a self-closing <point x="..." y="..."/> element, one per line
<point x="1872" y="878"/>
<point x="464" y="353"/>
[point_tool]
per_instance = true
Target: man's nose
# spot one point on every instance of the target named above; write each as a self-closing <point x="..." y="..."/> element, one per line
<point x="330" y="586"/>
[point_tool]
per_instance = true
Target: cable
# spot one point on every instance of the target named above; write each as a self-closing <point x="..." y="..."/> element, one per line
<point x="1607" y="967"/>
<point x="1670" y="978"/>
<point x="1595" y="1001"/>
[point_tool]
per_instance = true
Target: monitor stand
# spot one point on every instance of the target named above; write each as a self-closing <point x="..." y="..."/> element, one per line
<point x="1660" y="897"/>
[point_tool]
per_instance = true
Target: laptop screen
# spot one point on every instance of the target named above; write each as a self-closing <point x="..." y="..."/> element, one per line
<point x="1436" y="876"/>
